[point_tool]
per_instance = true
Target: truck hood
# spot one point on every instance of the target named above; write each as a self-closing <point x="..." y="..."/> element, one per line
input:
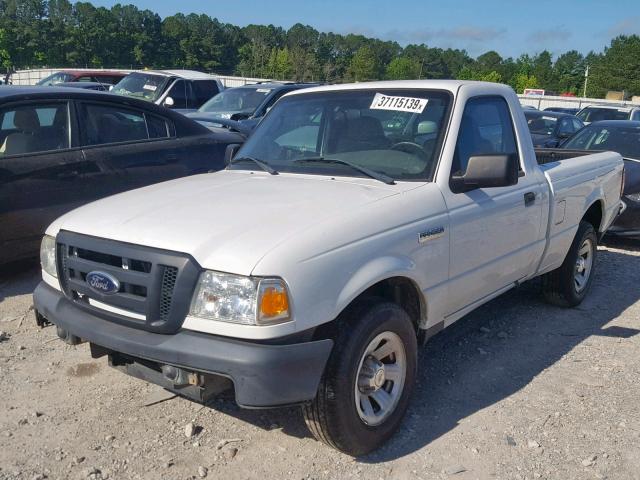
<point x="226" y="220"/>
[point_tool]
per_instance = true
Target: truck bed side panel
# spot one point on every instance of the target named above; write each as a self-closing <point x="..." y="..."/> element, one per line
<point x="576" y="184"/>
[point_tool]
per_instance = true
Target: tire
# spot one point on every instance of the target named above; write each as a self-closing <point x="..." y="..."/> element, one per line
<point x="334" y="417"/>
<point x="567" y="286"/>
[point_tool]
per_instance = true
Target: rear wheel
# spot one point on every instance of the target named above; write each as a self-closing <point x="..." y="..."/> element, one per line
<point x="368" y="380"/>
<point x="568" y="285"/>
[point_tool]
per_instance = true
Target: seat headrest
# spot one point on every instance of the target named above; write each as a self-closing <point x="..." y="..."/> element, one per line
<point x="427" y="126"/>
<point x="365" y="128"/>
<point x="26" y="120"/>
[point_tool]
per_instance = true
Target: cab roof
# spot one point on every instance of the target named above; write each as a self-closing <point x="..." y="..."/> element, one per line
<point x="619" y="108"/>
<point x="546" y="113"/>
<point x="186" y="74"/>
<point x="450" y="85"/>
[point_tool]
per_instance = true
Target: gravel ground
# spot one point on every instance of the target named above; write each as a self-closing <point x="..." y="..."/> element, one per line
<point x="515" y="390"/>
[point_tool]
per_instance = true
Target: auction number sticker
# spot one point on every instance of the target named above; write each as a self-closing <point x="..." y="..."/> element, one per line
<point x="153" y="88"/>
<point x="401" y="104"/>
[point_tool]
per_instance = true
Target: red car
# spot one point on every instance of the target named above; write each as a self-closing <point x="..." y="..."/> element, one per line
<point x="66" y="76"/>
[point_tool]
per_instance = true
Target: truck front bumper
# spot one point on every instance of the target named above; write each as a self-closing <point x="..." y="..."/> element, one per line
<point x="263" y="375"/>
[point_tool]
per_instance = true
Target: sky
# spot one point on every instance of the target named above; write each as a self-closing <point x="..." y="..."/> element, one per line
<point x="510" y="28"/>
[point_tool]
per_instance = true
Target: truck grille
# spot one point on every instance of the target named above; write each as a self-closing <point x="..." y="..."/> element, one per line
<point x="155" y="286"/>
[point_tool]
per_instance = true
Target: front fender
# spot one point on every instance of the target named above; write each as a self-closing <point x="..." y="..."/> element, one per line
<point x="375" y="271"/>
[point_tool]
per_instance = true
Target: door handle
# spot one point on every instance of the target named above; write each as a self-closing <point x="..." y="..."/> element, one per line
<point x="529" y="198"/>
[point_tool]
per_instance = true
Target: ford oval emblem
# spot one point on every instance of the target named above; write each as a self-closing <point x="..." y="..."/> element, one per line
<point x="103" y="283"/>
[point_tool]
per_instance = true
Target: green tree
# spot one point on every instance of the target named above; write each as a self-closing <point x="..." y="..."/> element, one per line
<point x="523" y="81"/>
<point x="5" y="57"/>
<point x="491" y="76"/>
<point x="618" y="68"/>
<point x="543" y="70"/>
<point x="569" y="70"/>
<point x="280" y="64"/>
<point x="363" y="65"/>
<point x="468" y="73"/>
<point x="402" y="68"/>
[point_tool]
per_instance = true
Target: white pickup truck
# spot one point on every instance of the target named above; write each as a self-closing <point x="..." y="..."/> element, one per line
<point x="355" y="223"/>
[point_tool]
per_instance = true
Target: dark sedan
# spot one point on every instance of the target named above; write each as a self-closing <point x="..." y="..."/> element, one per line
<point x="100" y="87"/>
<point x="548" y="129"/>
<point x="62" y="147"/>
<point x="622" y="136"/>
<point x="245" y="105"/>
<point x="569" y="110"/>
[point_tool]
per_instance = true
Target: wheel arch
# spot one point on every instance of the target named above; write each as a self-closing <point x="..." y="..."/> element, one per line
<point x="391" y="278"/>
<point x="595" y="215"/>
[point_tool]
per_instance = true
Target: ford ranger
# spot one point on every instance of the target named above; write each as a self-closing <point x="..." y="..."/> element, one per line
<point x="355" y="223"/>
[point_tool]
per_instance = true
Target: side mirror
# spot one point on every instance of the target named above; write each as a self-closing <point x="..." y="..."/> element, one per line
<point x="487" y="171"/>
<point x="168" y="102"/>
<point x="230" y="152"/>
<point x="239" y="116"/>
<point x="111" y="87"/>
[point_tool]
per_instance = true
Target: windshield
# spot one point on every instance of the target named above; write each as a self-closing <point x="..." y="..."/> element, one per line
<point x="540" y="124"/>
<point x="595" y="114"/>
<point x="395" y="133"/>
<point x="624" y="140"/>
<point x="245" y="100"/>
<point x="55" y="78"/>
<point x="141" y="85"/>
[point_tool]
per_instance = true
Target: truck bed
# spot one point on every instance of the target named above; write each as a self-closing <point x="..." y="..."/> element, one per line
<point x="575" y="185"/>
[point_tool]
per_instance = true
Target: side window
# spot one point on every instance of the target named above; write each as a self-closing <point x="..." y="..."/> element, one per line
<point x="179" y="94"/>
<point x="635" y="115"/>
<point x="274" y="99"/>
<point x="157" y="127"/>
<point x="34" y="128"/>
<point x="204" y="90"/>
<point x="300" y="130"/>
<point x="566" y="127"/>
<point x="577" y="124"/>
<point x="486" y="129"/>
<point x="114" y="124"/>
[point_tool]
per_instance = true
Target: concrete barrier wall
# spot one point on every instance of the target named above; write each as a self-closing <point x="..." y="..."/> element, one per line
<point x="543" y="102"/>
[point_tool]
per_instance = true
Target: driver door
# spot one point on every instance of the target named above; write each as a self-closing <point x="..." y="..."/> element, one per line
<point x="496" y="233"/>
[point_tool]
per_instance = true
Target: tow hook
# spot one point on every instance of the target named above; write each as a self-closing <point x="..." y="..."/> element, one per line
<point x="67" y="337"/>
<point x="180" y="377"/>
<point x="41" y="320"/>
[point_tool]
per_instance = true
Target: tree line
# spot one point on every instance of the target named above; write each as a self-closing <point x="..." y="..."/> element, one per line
<point x="58" y="33"/>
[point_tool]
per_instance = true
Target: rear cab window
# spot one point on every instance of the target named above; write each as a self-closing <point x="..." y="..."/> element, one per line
<point x="203" y="90"/>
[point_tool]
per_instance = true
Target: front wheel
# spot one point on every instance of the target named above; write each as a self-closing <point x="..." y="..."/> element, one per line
<point x="369" y="377"/>
<point x="568" y="285"/>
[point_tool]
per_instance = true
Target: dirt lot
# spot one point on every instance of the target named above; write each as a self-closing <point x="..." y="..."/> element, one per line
<point x="516" y="390"/>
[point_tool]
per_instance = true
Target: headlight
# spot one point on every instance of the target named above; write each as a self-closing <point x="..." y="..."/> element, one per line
<point x="48" y="255"/>
<point x="238" y="299"/>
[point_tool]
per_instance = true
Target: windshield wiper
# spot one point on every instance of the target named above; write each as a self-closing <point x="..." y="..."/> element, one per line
<point x="369" y="173"/>
<point x="264" y="166"/>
